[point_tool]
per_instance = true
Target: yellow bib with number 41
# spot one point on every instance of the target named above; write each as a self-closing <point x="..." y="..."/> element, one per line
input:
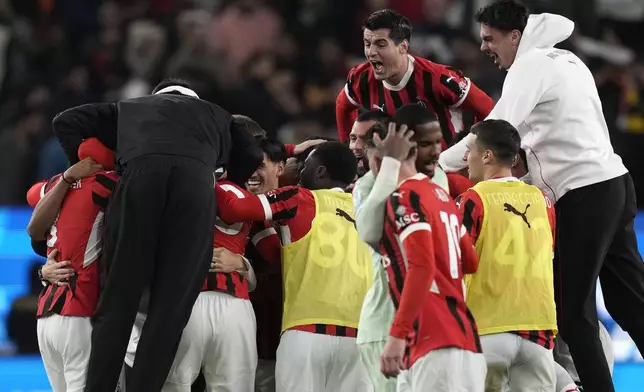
<point x="327" y="273"/>
<point x="513" y="289"/>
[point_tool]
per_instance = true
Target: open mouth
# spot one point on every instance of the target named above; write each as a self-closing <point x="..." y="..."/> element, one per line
<point x="494" y="56"/>
<point x="253" y="184"/>
<point x="378" y="66"/>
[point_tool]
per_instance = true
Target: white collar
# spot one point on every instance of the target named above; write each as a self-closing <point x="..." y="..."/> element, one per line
<point x="406" y="77"/>
<point x="337" y="189"/>
<point x="504" y="179"/>
<point x="417" y="176"/>
<point x="179" y="89"/>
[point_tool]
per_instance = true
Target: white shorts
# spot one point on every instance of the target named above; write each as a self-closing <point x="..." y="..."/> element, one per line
<point x="65" y="344"/>
<point x="265" y="376"/>
<point x="310" y="362"/>
<point x="220" y="338"/>
<point x="565" y="383"/>
<point x="370" y="355"/>
<point x="517" y="364"/>
<point x="447" y="370"/>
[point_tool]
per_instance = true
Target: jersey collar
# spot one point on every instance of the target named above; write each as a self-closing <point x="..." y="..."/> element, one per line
<point x="337" y="189"/>
<point x="405" y="79"/>
<point x="417" y="176"/>
<point x="504" y="179"/>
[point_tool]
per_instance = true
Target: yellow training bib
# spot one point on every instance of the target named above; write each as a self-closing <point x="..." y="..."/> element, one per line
<point x="513" y="289"/>
<point x="326" y="273"/>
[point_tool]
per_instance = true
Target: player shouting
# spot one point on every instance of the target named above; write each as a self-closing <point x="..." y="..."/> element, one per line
<point x="391" y="78"/>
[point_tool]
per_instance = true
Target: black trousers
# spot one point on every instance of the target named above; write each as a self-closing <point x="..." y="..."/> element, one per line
<point x="160" y="225"/>
<point x="596" y="238"/>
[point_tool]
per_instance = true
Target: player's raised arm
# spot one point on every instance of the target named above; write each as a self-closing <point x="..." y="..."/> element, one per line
<point x="74" y="125"/>
<point x="416" y="240"/>
<point x="457" y="91"/>
<point x="279" y="205"/>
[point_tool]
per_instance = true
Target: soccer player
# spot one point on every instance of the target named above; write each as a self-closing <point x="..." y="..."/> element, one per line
<point x="69" y="214"/>
<point x="265" y="256"/>
<point x="168" y="145"/>
<point x="427" y="250"/>
<point x="512" y="294"/>
<point x="369" y="198"/>
<point x="428" y="138"/>
<point x="391" y="78"/>
<point x="365" y="120"/>
<point x="550" y="96"/>
<point x="326" y="272"/>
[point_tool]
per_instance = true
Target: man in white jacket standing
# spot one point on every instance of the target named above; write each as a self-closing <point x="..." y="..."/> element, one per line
<point x="550" y="96"/>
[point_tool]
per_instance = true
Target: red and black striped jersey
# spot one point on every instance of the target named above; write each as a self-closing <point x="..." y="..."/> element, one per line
<point x="234" y="238"/>
<point x="77" y="235"/>
<point x="443" y="89"/>
<point x="292" y="209"/>
<point x="470" y="208"/>
<point x="427" y="250"/>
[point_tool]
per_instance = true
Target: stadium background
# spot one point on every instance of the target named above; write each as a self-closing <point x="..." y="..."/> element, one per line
<point x="280" y="62"/>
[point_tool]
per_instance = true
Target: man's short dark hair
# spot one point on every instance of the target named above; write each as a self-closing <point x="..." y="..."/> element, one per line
<point x="504" y="15"/>
<point x="381" y="129"/>
<point x="339" y="161"/>
<point x="372" y="115"/>
<point x="301" y="157"/>
<point x="274" y="150"/>
<point x="500" y="137"/>
<point x="413" y="114"/>
<point x="171" y="82"/>
<point x="249" y="124"/>
<point x="398" y="25"/>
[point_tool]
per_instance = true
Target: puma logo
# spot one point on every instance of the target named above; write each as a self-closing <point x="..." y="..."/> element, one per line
<point x="510" y="208"/>
<point x="346" y="216"/>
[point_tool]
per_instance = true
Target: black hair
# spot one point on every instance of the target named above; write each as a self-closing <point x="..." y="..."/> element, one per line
<point x="171" y="82"/>
<point x="340" y="163"/>
<point x="500" y="137"/>
<point x="505" y="15"/>
<point x="398" y="25"/>
<point x="301" y="157"/>
<point x="274" y="150"/>
<point x="249" y="124"/>
<point x="413" y="114"/>
<point x="381" y="129"/>
<point x="372" y="115"/>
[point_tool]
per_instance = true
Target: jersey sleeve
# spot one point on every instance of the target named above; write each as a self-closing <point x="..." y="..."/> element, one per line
<point x="102" y="188"/>
<point x="470" y="209"/>
<point x="458" y="184"/>
<point x="455" y="90"/>
<point x="415" y="238"/>
<point x="35" y="193"/>
<point x="290" y="150"/>
<point x="347" y="102"/>
<point x="265" y="239"/>
<point x="280" y="205"/>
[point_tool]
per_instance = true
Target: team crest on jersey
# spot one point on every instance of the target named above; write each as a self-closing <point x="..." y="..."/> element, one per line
<point x="401" y="210"/>
<point x="442" y="195"/>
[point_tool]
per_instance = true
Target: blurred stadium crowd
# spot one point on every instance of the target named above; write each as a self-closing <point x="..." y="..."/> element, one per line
<point x="281" y="62"/>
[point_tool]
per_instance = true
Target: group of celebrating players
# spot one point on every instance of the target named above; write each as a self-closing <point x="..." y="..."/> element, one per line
<point x="341" y="267"/>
